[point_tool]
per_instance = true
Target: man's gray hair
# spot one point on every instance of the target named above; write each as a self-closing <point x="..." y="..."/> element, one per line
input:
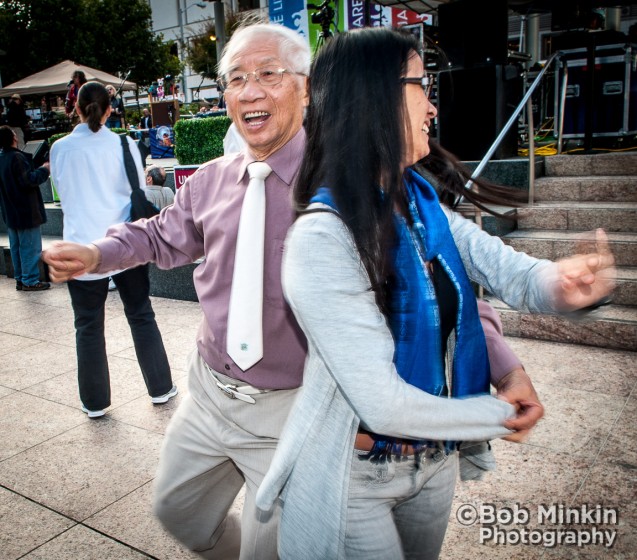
<point x="157" y="174"/>
<point x="293" y="48"/>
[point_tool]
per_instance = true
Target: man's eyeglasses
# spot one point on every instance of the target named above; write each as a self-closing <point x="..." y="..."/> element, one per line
<point x="426" y="82"/>
<point x="266" y="76"/>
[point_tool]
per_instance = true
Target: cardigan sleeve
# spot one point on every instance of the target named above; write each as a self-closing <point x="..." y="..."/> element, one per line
<point x="330" y="294"/>
<point x="521" y="281"/>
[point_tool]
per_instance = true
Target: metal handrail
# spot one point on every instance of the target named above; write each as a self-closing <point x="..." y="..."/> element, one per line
<point x="526" y="101"/>
<point x="560" y="129"/>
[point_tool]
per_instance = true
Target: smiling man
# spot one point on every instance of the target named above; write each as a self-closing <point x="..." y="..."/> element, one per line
<point x="248" y="364"/>
<point x="225" y="431"/>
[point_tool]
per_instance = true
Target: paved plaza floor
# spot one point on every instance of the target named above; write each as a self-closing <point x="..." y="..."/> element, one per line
<point x="73" y="488"/>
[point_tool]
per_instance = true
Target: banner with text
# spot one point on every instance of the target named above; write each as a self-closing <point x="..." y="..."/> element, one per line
<point x="291" y="14"/>
<point x="312" y="22"/>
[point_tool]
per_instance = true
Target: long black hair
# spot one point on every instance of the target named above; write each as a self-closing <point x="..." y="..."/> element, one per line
<point x="93" y="101"/>
<point x="355" y="139"/>
<point x="450" y="176"/>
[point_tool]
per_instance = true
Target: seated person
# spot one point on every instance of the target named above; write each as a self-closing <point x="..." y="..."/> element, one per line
<point x="155" y="191"/>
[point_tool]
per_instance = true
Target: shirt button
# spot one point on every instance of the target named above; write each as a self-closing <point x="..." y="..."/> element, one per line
<point x="227" y="366"/>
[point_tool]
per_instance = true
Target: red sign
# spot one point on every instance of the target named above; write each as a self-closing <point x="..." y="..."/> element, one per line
<point x="182" y="172"/>
<point x="407" y="17"/>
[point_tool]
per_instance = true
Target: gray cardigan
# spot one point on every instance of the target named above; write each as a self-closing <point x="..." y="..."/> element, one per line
<point x="350" y="378"/>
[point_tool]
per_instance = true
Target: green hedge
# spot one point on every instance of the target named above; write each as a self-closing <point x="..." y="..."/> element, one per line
<point x="200" y="140"/>
<point x="196" y="140"/>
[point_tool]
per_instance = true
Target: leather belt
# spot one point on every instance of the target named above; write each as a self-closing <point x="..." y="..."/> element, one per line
<point x="232" y="391"/>
<point x="365" y="442"/>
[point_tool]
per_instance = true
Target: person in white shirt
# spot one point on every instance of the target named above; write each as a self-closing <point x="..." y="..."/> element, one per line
<point x="87" y="167"/>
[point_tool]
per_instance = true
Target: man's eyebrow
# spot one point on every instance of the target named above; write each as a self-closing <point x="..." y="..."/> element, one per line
<point x="262" y="62"/>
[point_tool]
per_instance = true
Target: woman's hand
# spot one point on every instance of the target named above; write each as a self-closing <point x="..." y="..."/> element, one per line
<point x="516" y="388"/>
<point x="586" y="279"/>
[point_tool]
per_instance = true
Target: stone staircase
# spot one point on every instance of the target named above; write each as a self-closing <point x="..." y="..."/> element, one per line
<point x="580" y="193"/>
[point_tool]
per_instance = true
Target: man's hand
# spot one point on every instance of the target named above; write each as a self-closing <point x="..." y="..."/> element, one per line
<point x="68" y="260"/>
<point x="516" y="388"/>
<point x="586" y="279"/>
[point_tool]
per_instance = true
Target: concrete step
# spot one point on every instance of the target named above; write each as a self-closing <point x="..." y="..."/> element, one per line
<point x="610" y="326"/>
<point x="53" y="225"/>
<point x="601" y="188"/>
<point x="583" y="216"/>
<point x="626" y="291"/>
<point x="47" y="240"/>
<point x="54" y="219"/>
<point x="620" y="163"/>
<point x="6" y="264"/>
<point x="176" y="283"/>
<point x="555" y="244"/>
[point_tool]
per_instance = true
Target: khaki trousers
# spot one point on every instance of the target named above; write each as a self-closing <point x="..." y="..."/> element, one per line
<point x="213" y="446"/>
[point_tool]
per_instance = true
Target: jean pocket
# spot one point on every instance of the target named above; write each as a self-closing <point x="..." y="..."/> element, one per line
<point x="366" y="473"/>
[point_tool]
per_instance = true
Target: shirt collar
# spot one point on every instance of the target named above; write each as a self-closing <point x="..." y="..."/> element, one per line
<point x="284" y="162"/>
<point x="83" y="129"/>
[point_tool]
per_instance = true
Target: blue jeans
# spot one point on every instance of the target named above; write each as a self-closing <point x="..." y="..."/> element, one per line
<point x="26" y="246"/>
<point x="88" y="299"/>
<point x="400" y="509"/>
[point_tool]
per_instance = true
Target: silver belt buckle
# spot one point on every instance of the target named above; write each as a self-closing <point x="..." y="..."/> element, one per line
<point x="227" y="389"/>
<point x="231" y="392"/>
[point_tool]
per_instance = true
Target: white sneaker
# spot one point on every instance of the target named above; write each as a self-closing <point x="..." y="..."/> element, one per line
<point x="165" y="398"/>
<point x="93" y="413"/>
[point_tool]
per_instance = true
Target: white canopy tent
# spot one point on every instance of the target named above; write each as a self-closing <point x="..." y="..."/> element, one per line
<point x="56" y="79"/>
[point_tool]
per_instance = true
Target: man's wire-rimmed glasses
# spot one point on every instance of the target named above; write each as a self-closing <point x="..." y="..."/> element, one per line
<point x="266" y="76"/>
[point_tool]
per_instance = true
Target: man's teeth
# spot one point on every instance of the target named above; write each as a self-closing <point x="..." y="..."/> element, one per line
<point x="255" y="115"/>
<point x="425" y="128"/>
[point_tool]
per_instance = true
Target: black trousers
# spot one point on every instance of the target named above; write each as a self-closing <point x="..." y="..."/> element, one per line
<point x="88" y="299"/>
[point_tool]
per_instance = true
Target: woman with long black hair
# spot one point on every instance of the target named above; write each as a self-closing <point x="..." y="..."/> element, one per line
<point x="378" y="274"/>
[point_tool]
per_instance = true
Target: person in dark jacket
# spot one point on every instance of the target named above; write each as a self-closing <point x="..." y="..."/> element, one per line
<point x="22" y="210"/>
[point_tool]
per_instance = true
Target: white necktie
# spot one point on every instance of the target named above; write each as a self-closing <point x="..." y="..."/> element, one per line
<point x="245" y="314"/>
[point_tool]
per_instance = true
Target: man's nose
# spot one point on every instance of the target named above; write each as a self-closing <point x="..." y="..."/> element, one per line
<point x="251" y="89"/>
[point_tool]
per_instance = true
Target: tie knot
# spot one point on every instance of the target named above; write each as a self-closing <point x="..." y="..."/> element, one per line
<point x="259" y="170"/>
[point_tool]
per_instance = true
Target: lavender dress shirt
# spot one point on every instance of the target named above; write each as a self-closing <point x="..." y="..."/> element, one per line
<point x="203" y="222"/>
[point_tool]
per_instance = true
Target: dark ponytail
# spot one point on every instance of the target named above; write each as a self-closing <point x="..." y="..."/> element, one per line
<point x="93" y="101"/>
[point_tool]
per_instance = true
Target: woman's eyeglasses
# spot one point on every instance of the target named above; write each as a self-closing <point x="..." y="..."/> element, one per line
<point x="426" y="82"/>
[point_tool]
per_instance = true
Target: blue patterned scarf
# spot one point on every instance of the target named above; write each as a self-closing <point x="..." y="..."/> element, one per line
<point x="413" y="318"/>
